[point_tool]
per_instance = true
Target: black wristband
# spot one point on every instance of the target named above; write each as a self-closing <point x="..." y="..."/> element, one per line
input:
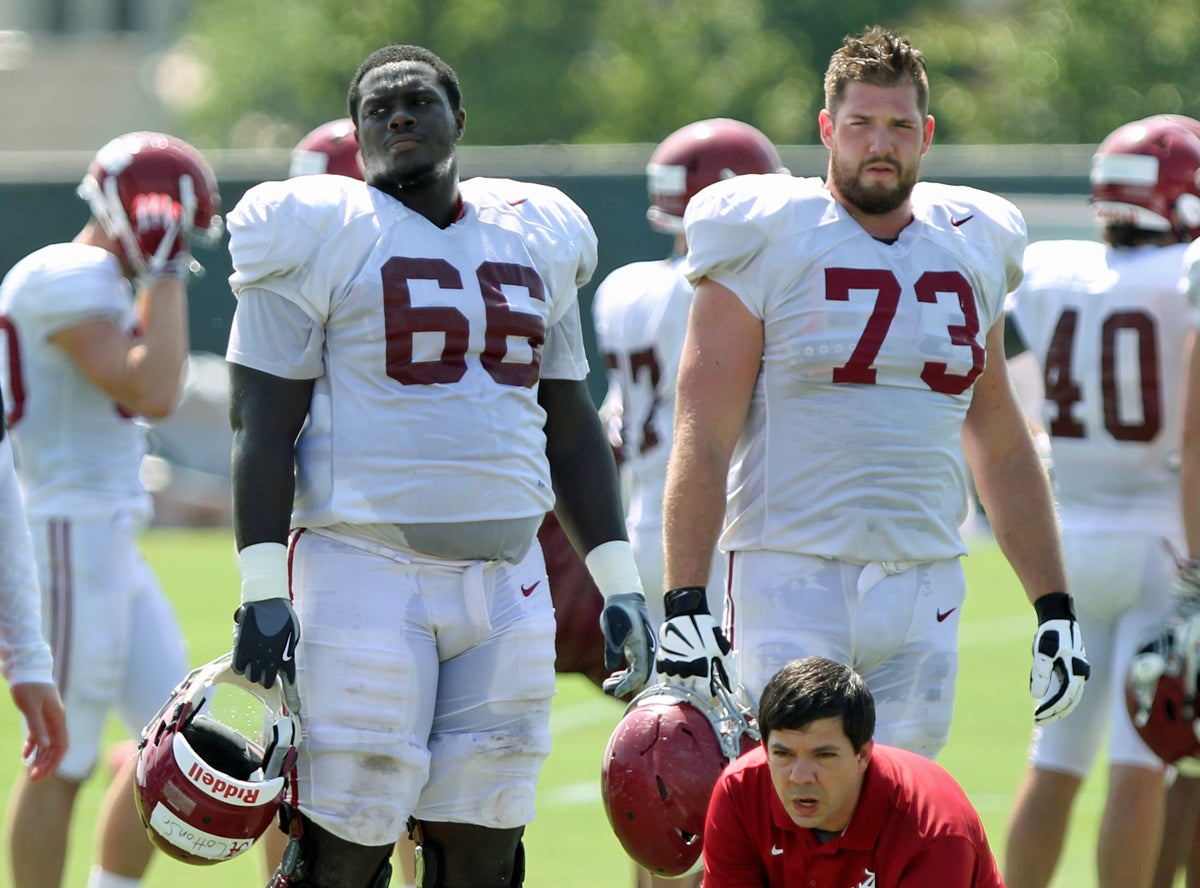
<point x="1055" y="606"/>
<point x="686" y="601"/>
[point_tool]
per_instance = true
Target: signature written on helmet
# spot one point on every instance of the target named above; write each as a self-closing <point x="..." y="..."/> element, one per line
<point x="219" y="787"/>
<point x="195" y="841"/>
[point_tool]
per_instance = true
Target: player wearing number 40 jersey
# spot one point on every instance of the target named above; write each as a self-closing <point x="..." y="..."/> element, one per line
<point x="1105" y="323"/>
<point x="412" y="345"/>
<point x="845" y="346"/>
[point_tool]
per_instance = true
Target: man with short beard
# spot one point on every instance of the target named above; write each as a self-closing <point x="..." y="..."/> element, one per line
<point x="844" y="350"/>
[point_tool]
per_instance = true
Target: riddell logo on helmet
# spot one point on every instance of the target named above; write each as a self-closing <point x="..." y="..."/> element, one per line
<point x="219" y="787"/>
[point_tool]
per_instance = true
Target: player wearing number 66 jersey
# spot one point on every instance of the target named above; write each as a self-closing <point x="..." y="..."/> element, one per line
<point x="412" y="346"/>
<point x="844" y="348"/>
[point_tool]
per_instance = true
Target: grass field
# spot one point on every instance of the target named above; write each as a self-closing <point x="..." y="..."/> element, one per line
<point x="570" y="842"/>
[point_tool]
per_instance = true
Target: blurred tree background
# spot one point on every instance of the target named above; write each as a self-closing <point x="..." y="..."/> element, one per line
<point x="259" y="74"/>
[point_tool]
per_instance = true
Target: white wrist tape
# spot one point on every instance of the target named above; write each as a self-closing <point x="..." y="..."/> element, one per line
<point x="264" y="569"/>
<point x="613" y="568"/>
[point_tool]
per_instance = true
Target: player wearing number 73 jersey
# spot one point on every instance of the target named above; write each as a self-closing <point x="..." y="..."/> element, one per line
<point x="844" y="349"/>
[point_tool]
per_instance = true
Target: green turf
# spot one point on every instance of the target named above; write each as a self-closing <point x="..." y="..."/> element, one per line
<point x="570" y="842"/>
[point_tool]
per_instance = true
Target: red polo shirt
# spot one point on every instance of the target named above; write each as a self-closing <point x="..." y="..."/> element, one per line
<point x="913" y="827"/>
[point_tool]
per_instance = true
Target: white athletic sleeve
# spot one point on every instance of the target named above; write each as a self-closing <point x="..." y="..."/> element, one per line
<point x="24" y="654"/>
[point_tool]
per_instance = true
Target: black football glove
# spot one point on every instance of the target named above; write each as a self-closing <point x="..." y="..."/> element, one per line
<point x="692" y="648"/>
<point x="628" y="636"/>
<point x="1060" y="666"/>
<point x="265" y="633"/>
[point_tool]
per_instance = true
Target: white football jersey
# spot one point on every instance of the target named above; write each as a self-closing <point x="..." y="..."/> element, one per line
<point x="852" y="445"/>
<point x="1190" y="282"/>
<point x="425" y="403"/>
<point x="640" y="316"/>
<point x="77" y="452"/>
<point x="1107" y="327"/>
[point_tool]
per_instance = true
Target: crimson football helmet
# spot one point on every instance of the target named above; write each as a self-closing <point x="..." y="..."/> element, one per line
<point x="1144" y="174"/>
<point x="660" y="767"/>
<point x="695" y="157"/>
<point x="205" y="790"/>
<point x="330" y="148"/>
<point x="152" y="163"/>
<point x="1160" y="690"/>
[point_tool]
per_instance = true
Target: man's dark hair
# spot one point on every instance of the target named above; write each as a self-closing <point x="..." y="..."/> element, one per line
<point x="813" y="688"/>
<point x="404" y="53"/>
<point x="878" y="57"/>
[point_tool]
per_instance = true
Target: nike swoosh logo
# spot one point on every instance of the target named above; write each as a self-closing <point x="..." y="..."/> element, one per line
<point x="942" y="616"/>
<point x="528" y="590"/>
<point x="776" y="850"/>
<point x="962" y="221"/>
<point x="289" y="647"/>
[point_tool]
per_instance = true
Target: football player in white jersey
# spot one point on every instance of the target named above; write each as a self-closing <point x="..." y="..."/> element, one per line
<point x="1106" y="323"/>
<point x="845" y="347"/>
<point x="95" y="335"/>
<point x="1181" y="833"/>
<point x="640" y="315"/>
<point x="25" y="656"/>
<point x="412" y="346"/>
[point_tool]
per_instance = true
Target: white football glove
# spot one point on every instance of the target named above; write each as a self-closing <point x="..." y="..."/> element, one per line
<point x="692" y="649"/>
<point x="1186" y="588"/>
<point x="628" y="636"/>
<point x="1060" y="666"/>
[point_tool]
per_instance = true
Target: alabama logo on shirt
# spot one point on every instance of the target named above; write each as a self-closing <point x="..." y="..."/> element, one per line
<point x="868" y="882"/>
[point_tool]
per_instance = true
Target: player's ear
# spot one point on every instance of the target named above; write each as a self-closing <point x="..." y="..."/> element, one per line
<point x="864" y="755"/>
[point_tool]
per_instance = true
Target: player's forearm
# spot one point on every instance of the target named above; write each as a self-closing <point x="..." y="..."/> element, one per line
<point x="693" y="512"/>
<point x="1020" y="509"/>
<point x="24" y="654"/>
<point x="582" y="468"/>
<point x="1189" y="467"/>
<point x="155" y="362"/>
<point x="264" y="485"/>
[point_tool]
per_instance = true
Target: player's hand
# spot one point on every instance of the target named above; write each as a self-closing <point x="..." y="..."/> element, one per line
<point x="265" y="633"/>
<point x="628" y="636"/>
<point x="692" y="649"/>
<point x="1060" y="666"/>
<point x="158" y="226"/>
<point x="46" y="735"/>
